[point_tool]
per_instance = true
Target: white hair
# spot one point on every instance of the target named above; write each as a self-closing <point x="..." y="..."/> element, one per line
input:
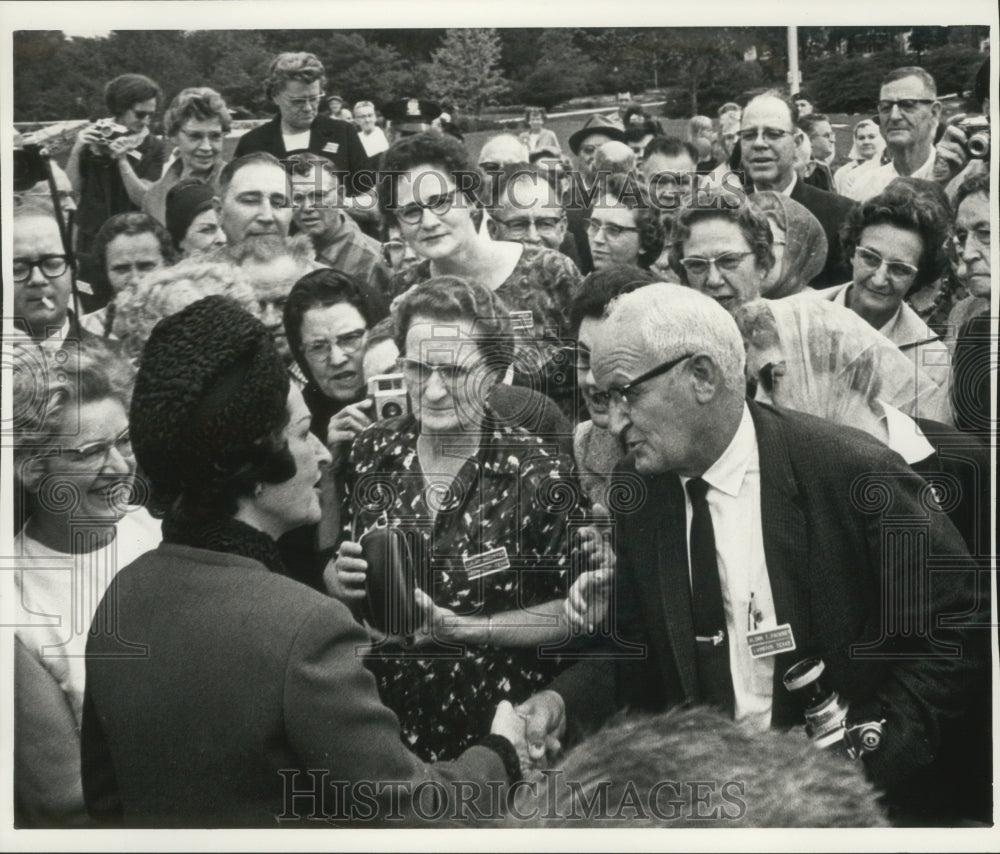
<point x="672" y="320"/>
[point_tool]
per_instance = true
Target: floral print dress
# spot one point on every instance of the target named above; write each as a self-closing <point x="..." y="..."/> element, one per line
<point x="512" y="493"/>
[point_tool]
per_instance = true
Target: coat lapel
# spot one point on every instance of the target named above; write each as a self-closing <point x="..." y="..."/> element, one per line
<point x="784" y="529"/>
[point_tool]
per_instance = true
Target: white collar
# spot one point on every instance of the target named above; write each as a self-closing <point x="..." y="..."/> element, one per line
<point x="905" y="436"/>
<point x="727" y="473"/>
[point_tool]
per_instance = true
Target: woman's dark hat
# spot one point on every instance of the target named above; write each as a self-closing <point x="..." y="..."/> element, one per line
<point x="210" y="387"/>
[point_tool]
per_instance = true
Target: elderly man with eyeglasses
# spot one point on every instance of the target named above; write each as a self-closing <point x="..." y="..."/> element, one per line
<point x="768" y="139"/>
<point x="909" y="112"/>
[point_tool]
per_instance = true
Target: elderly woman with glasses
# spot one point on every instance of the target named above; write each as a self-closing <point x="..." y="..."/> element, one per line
<point x="440" y="220"/>
<point x="897" y="246"/>
<point x="487" y="513"/>
<point x="196" y="122"/>
<point x="75" y="470"/>
<point x="723" y="251"/>
<point x="295" y="84"/>
<point x="624" y="226"/>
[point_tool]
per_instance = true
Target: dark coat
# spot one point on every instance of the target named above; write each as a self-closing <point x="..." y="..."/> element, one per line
<point x="213" y="683"/>
<point x="834" y="500"/>
<point x="332" y="138"/>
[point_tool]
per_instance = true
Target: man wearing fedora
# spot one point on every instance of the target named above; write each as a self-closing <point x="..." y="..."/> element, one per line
<point x="584" y="143"/>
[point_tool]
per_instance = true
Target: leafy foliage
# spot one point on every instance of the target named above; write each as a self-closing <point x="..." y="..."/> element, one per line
<point x="465" y="71"/>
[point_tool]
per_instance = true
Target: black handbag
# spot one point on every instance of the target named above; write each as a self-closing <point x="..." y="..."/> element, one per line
<point x="390" y="604"/>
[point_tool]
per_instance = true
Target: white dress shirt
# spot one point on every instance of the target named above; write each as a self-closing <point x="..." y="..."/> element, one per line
<point x="734" y="504"/>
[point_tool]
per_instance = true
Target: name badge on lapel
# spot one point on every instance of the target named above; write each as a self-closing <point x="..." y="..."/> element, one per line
<point x="522" y="322"/>
<point x="331" y="147"/>
<point x="773" y="641"/>
<point x="487" y="563"/>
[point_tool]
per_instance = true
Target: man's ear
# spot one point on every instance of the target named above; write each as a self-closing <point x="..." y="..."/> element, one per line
<point x="31" y="472"/>
<point x="707" y="377"/>
<point x="936" y="108"/>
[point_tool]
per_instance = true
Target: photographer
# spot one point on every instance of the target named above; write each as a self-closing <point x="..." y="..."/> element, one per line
<point x="955" y="158"/>
<point x="114" y="161"/>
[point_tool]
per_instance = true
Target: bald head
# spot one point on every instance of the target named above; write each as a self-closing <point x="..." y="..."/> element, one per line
<point x="615" y="157"/>
<point x="502" y="149"/>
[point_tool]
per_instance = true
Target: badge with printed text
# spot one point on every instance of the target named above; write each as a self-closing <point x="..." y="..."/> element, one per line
<point x="522" y="322"/>
<point x="331" y="147"/>
<point x="495" y="560"/>
<point x="771" y="641"/>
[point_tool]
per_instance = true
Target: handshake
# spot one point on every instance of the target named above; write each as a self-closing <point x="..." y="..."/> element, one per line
<point x="535" y="728"/>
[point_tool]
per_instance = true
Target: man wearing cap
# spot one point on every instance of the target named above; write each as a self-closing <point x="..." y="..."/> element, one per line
<point x="409" y="116"/>
<point x="295" y="84"/>
<point x="584" y="143"/>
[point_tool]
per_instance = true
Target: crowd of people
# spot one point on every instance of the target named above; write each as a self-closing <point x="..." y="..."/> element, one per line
<point x="376" y="475"/>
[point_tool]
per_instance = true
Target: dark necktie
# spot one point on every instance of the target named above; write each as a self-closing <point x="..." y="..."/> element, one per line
<point x="711" y="636"/>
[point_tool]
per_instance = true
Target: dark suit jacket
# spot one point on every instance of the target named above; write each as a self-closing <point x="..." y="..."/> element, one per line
<point x="332" y="138"/>
<point x="831" y="210"/>
<point x="212" y="683"/>
<point x="833" y="501"/>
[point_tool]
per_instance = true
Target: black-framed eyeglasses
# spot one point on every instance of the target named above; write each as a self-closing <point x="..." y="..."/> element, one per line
<point x="452" y="374"/>
<point x="52" y="267"/>
<point x="349" y="343"/>
<point x="438" y="205"/>
<point x="697" y="268"/>
<point x="898" y="271"/>
<point x="522" y="225"/>
<point x="309" y="101"/>
<point x="595" y="226"/>
<point x="624" y="395"/>
<point x="588" y="150"/>
<point x="906" y="105"/>
<point x="95" y="454"/>
<point x="749" y="136"/>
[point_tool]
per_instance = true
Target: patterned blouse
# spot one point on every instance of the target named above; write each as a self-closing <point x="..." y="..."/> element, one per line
<point x="543" y="282"/>
<point x="513" y="493"/>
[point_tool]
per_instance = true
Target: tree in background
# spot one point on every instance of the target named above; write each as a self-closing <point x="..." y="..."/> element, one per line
<point x="562" y="71"/>
<point x="465" y="70"/>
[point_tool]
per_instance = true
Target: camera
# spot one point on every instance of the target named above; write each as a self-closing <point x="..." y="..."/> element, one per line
<point x="109" y="129"/>
<point x="388" y="394"/>
<point x="828" y="722"/>
<point x="977" y="133"/>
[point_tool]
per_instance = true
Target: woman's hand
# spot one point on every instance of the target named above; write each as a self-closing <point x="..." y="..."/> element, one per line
<point x="342" y="430"/>
<point x="121" y="146"/>
<point x="588" y="598"/>
<point x="345" y="576"/>
<point x="437" y="624"/>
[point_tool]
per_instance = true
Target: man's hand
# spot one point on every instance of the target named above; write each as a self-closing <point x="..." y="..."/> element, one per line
<point x="588" y="598"/>
<point x="345" y="576"/>
<point x="438" y="623"/>
<point x="951" y="154"/>
<point x="544" y="716"/>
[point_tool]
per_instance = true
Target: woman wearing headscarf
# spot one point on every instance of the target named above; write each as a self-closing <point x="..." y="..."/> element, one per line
<point x="75" y="469"/>
<point x="221" y="684"/>
<point x="866" y="152"/>
<point x="799" y="244"/>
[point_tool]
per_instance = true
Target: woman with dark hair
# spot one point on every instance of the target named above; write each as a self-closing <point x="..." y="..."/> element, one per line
<point x="128" y="247"/>
<point x="326" y="321"/>
<point x="537" y="136"/>
<point x="191" y="219"/>
<point x="75" y="470"/>
<point x="595" y="450"/>
<point x="196" y="122"/>
<point x="624" y="226"/>
<point x="114" y="162"/>
<point x="486" y="511"/>
<point x="722" y="251"/>
<point x="246" y="681"/>
<point x="897" y="243"/>
<point x="439" y="217"/>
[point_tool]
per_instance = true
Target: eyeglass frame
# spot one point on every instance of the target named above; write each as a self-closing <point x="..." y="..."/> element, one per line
<point x="37" y="265"/>
<point x="78" y="457"/>
<point x="348" y="347"/>
<point x="959" y="242"/>
<point x="761" y="133"/>
<point x="712" y="262"/>
<point x="436" y="205"/>
<point x="911" y="104"/>
<point x="304" y="101"/>
<point x="883" y="262"/>
<point x="556" y="221"/>
<point x="610" y="229"/>
<point x="460" y="371"/>
<point x="620" y="393"/>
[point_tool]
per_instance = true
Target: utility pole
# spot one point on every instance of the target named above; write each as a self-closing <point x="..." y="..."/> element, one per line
<point x="794" y="75"/>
